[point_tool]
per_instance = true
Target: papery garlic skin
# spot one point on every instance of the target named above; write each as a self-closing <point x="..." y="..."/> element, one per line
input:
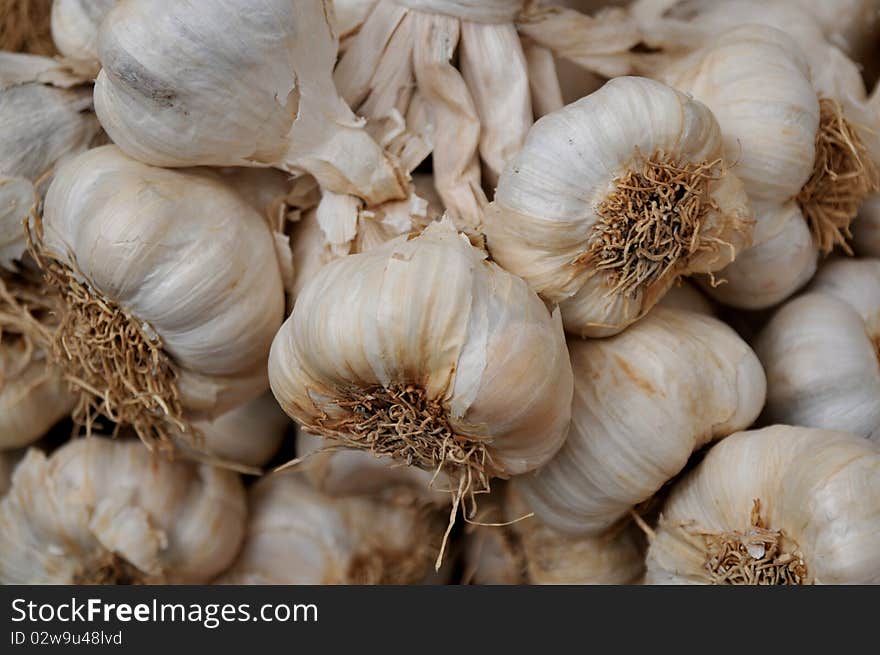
<point x="248" y="435"/>
<point x="298" y="535"/>
<point x="346" y="472"/>
<point x="686" y="297"/>
<point x="644" y="401"/>
<point x="75" y="26"/>
<point x="39" y="126"/>
<point x="433" y="313"/>
<point x="170" y="73"/>
<point x="820" y="352"/>
<point x="818" y="487"/>
<point x="178" y="252"/>
<point x="32" y="397"/>
<point x="545" y="214"/>
<point x="67" y="516"/>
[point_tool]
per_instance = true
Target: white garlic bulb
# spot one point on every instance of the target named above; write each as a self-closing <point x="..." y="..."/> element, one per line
<point x="245" y="437"/>
<point x="298" y="535"/>
<point x="613" y="198"/>
<point x="644" y="401"/>
<point x="852" y="25"/>
<point x="781" y="505"/>
<point x="820" y="352"/>
<point x="527" y="551"/>
<point x="803" y="165"/>
<point x="175" y="90"/>
<point x="466" y="84"/>
<point x="105" y="511"/>
<point x="171" y="284"/>
<point x="424" y="351"/>
<point x="75" y="26"/>
<point x="687" y="297"/>
<point x="39" y="126"/>
<point x="347" y="472"/>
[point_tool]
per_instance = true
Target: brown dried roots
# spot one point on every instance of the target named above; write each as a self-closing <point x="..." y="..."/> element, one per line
<point x="843" y="175"/>
<point x="653" y="222"/>
<point x="24" y="26"/>
<point x="756" y="557"/>
<point x="114" y="362"/>
<point x="401" y="422"/>
<point x="28" y="314"/>
<point x="110" y="569"/>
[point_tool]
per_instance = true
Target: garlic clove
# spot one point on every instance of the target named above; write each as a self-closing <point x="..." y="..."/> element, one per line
<point x="75" y="26"/>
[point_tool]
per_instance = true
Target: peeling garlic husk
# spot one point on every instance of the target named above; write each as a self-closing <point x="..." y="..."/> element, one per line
<point x="107" y="511"/>
<point x="40" y="125"/>
<point x="170" y="104"/>
<point x="644" y="401"/>
<point x="774" y="506"/>
<point x="469" y="77"/>
<point x="557" y="218"/>
<point x="820" y="352"/>
<point x="171" y="254"/>
<point x="245" y="437"/>
<point x="346" y="472"/>
<point x="528" y="552"/>
<point x="426" y="329"/>
<point x="297" y="535"/>
<point x="75" y="26"/>
<point x="779" y="130"/>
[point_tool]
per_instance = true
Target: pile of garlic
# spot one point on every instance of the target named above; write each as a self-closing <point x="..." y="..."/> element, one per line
<point x="440" y="292"/>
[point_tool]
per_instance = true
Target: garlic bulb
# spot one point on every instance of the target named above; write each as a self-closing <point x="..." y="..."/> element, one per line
<point x="468" y="87"/>
<point x="781" y="505"/>
<point x="39" y="126"/>
<point x="820" y="352"/>
<point x="423" y="351"/>
<point x="527" y="551"/>
<point x="245" y="437"/>
<point x="613" y="198"/>
<point x="801" y="161"/>
<point x="8" y="461"/>
<point x="687" y="297"/>
<point x="852" y="25"/>
<point x="347" y="472"/>
<point x="75" y="26"/>
<point x="105" y="511"/>
<point x="156" y="269"/>
<point x="644" y="401"/>
<point x="175" y="90"/>
<point x="297" y="535"/>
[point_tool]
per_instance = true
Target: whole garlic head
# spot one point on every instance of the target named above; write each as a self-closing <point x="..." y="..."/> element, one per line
<point x="175" y="90"/>
<point x="104" y="511"/>
<point x="821" y="354"/>
<point x="781" y="505"/>
<point x="297" y="535"/>
<point x="644" y="401"/>
<point x="424" y="351"/>
<point x="612" y="198"/>
<point x="179" y="264"/>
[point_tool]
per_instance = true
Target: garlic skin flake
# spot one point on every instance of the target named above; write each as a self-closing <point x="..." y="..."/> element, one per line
<point x="183" y="257"/>
<point x="820" y="352"/>
<point x="75" y="26"/>
<point x="429" y="328"/>
<point x="175" y="91"/>
<point x="644" y="401"/>
<point x="817" y="518"/>
<point x="560" y="217"/>
<point x="297" y="535"/>
<point x="105" y="511"/>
